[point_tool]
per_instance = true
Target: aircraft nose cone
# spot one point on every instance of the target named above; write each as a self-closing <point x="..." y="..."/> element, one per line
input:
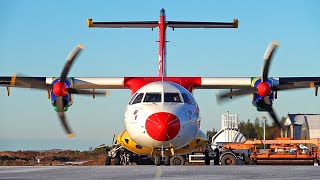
<point x="163" y="126"/>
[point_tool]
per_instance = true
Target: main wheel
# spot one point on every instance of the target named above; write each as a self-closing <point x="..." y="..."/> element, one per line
<point x="177" y="160"/>
<point x="228" y="159"/>
<point x="108" y="161"/>
<point x="157" y="160"/>
<point x="116" y="161"/>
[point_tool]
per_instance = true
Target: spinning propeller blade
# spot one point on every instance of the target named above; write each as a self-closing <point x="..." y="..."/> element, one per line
<point x="268" y="55"/>
<point x="272" y="112"/>
<point x="62" y="117"/>
<point x="62" y="88"/>
<point x="70" y="59"/>
<point x="264" y="77"/>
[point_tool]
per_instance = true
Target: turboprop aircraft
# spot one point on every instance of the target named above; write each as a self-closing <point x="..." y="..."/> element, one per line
<point x="162" y="116"/>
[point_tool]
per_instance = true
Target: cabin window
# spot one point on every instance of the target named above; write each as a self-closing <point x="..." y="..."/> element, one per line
<point x="152" y="97"/>
<point x="138" y="98"/>
<point x="172" y="97"/>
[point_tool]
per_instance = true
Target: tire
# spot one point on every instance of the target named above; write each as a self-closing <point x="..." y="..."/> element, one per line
<point x="108" y="161"/>
<point x="133" y="163"/>
<point x="177" y="160"/>
<point x="228" y="159"/>
<point x="157" y="160"/>
<point x="216" y="157"/>
<point x="167" y="160"/>
<point x="206" y="157"/>
<point x="116" y="161"/>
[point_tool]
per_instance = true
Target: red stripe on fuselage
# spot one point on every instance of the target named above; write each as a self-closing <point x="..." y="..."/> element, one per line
<point x="135" y="83"/>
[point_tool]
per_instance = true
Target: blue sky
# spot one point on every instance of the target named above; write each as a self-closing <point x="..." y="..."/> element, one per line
<point x="36" y="37"/>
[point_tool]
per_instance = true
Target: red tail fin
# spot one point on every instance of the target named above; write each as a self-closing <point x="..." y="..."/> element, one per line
<point x="162" y="24"/>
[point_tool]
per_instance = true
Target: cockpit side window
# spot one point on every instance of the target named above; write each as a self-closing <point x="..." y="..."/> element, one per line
<point x="133" y="97"/>
<point x="138" y="98"/>
<point x="186" y="98"/>
<point x="152" y="97"/>
<point x="172" y="97"/>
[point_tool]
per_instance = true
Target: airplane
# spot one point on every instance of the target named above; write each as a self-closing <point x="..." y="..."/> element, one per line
<point x="162" y="117"/>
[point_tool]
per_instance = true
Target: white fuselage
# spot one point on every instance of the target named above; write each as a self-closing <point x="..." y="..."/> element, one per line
<point x="164" y="122"/>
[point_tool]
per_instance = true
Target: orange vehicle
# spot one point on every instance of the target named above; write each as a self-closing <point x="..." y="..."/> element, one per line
<point x="280" y="151"/>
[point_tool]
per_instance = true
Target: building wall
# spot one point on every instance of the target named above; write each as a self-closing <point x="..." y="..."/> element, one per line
<point x="302" y="126"/>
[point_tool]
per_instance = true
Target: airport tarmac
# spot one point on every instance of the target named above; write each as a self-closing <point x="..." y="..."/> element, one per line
<point x="161" y="172"/>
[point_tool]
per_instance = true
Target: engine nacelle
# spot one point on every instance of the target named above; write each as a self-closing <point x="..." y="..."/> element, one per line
<point x="67" y="98"/>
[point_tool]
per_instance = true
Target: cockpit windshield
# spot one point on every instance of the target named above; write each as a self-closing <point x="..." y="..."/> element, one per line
<point x="172" y="97"/>
<point x="152" y="97"/>
<point x="156" y="97"/>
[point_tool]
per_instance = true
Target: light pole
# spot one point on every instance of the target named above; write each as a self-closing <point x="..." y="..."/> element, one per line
<point x="264" y="118"/>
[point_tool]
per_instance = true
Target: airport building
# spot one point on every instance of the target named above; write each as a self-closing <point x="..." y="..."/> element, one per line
<point x="228" y="132"/>
<point x="302" y="126"/>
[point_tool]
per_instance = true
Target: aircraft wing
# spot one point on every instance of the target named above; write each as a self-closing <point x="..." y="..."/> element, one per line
<point x="79" y="83"/>
<point x="224" y="83"/>
<point x="135" y="83"/>
<point x="244" y="82"/>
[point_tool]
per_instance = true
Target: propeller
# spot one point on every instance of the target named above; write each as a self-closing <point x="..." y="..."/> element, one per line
<point x="60" y="89"/>
<point x="264" y="89"/>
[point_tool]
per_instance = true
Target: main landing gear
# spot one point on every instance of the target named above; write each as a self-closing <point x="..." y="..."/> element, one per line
<point x="168" y="160"/>
<point x="118" y="155"/>
<point x="175" y="160"/>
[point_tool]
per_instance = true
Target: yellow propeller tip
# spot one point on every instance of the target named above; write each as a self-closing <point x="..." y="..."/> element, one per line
<point x="81" y="46"/>
<point x="311" y="84"/>
<point x="107" y="93"/>
<point x="70" y="135"/>
<point x="277" y="43"/>
<point x="13" y="79"/>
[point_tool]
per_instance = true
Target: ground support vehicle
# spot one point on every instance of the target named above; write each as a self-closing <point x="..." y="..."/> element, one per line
<point x="279" y="151"/>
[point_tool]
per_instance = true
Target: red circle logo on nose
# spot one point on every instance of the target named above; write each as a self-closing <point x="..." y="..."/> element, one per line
<point x="163" y="126"/>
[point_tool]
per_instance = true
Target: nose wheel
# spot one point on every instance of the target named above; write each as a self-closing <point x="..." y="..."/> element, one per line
<point x="157" y="160"/>
<point x="167" y="160"/>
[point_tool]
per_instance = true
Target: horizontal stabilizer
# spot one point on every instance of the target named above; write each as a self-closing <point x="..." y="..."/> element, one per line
<point x="129" y="24"/>
<point x="186" y="24"/>
<point x="154" y="24"/>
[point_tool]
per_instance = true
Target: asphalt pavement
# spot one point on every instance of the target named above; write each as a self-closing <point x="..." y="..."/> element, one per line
<point x="160" y="172"/>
